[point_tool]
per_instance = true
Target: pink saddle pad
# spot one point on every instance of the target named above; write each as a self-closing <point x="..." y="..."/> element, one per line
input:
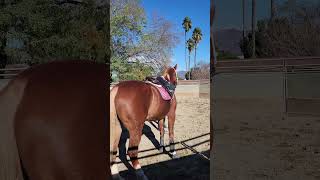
<point x="164" y="94"/>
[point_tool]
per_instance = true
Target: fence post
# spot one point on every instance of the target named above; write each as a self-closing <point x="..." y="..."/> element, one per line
<point x="284" y="93"/>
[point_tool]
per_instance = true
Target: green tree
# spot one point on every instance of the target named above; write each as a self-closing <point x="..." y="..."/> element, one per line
<point x="190" y="46"/>
<point x="36" y="31"/>
<point x="289" y="36"/>
<point x="126" y="25"/>
<point x="197" y="37"/>
<point x="135" y="38"/>
<point x="132" y="70"/>
<point x="127" y="22"/>
<point x="187" y="25"/>
<point x="188" y="75"/>
<point x="261" y="40"/>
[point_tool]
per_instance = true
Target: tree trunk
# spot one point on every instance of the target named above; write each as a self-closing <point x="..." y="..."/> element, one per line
<point x="243" y="22"/>
<point x="292" y="7"/>
<point x="195" y="56"/>
<point x="185" y="50"/>
<point x="273" y="9"/>
<point x="254" y="28"/>
<point x="189" y="68"/>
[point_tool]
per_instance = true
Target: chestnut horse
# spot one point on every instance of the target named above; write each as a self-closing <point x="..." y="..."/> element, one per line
<point x="53" y="123"/>
<point x="134" y="102"/>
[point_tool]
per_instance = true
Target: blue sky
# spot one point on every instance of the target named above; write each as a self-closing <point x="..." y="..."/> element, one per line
<point x="176" y="11"/>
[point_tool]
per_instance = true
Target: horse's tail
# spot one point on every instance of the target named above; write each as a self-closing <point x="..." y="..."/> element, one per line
<point x="10" y="97"/>
<point x="115" y="129"/>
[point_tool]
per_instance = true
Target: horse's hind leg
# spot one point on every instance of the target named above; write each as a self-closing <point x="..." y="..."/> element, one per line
<point x="161" y="129"/>
<point x="134" y="141"/>
<point x="115" y="138"/>
<point x="115" y="134"/>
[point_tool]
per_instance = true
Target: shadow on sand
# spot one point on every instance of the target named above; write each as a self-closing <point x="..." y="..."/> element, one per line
<point x="125" y="137"/>
<point x="192" y="167"/>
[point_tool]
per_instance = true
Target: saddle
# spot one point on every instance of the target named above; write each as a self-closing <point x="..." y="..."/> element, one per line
<point x="165" y="88"/>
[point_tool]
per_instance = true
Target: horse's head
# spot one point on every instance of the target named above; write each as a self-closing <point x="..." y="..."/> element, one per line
<point x="170" y="74"/>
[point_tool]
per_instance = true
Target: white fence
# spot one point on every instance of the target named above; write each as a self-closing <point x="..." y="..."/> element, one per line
<point x="191" y="88"/>
<point x="12" y="70"/>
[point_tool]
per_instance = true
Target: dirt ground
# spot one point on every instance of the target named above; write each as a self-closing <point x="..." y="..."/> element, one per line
<point x="255" y="141"/>
<point x="192" y="126"/>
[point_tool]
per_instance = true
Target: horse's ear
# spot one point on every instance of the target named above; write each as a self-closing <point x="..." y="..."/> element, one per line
<point x="175" y="67"/>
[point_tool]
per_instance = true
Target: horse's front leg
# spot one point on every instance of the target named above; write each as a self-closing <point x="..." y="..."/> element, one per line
<point x="171" y="120"/>
<point x="161" y="129"/>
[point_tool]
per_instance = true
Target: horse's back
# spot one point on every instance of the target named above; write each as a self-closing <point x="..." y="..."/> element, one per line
<point x="137" y="92"/>
<point x="60" y="124"/>
<point x="134" y="90"/>
<point x="140" y="101"/>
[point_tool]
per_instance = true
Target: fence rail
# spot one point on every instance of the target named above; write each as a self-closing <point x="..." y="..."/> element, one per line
<point x="11" y="72"/>
<point x="289" y="65"/>
<point x="299" y="79"/>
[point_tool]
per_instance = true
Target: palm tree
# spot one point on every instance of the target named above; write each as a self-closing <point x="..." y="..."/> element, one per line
<point x="243" y="20"/>
<point x="187" y="25"/>
<point x="254" y="24"/>
<point x="190" y="45"/>
<point x="273" y="10"/>
<point x="196" y="36"/>
<point x="289" y="7"/>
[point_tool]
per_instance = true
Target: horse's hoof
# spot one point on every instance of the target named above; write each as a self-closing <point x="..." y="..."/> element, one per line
<point x="140" y="175"/>
<point x="161" y="149"/>
<point x="174" y="155"/>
